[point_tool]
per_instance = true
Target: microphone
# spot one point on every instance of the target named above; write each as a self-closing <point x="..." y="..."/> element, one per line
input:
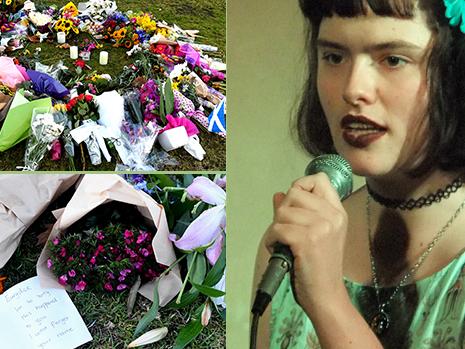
<point x="340" y="175"/>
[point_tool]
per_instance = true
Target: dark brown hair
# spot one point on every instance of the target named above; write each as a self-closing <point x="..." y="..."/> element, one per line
<point x="446" y="80"/>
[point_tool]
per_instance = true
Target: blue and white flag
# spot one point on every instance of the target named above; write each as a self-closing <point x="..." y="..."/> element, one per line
<point x="217" y="118"/>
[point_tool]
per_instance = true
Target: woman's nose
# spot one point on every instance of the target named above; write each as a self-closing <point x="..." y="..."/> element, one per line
<point x="360" y="84"/>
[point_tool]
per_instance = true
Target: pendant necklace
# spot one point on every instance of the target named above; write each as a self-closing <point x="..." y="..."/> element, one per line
<point x="381" y="321"/>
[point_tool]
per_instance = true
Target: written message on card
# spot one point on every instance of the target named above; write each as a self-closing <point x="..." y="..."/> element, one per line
<point x="34" y="317"/>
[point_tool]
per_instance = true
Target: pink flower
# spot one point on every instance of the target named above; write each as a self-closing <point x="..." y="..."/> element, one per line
<point x="128" y="234"/>
<point x="63" y="252"/>
<point x="49" y="263"/>
<point x="108" y="287"/>
<point x="93" y="260"/>
<point x="142" y="236"/>
<point x="78" y="242"/>
<point x="208" y="228"/>
<point x="138" y="265"/>
<point x="100" y="235"/>
<point x="81" y="286"/>
<point x="70" y="259"/>
<point x="121" y="287"/>
<point x="56" y="241"/>
<point x="62" y="280"/>
<point x="72" y="273"/>
<point x="145" y="252"/>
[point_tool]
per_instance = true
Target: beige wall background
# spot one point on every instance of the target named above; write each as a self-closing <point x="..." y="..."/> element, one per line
<point x="266" y="70"/>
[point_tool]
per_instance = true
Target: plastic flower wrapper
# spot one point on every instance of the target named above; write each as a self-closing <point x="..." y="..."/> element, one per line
<point x="136" y="143"/>
<point x="46" y="127"/>
<point x="98" y="10"/>
<point x="133" y="107"/>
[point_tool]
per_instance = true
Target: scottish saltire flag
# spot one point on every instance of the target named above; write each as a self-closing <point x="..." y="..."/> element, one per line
<point x="217" y="118"/>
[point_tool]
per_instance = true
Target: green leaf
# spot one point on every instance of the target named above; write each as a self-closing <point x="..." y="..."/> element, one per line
<point x="188" y="334"/>
<point x="199" y="268"/>
<point x="208" y="291"/>
<point x="169" y="97"/>
<point x="216" y="273"/>
<point x="151" y="314"/>
<point x="187" y="180"/>
<point x="186" y="299"/>
<point x="182" y="223"/>
<point x="162" y="105"/>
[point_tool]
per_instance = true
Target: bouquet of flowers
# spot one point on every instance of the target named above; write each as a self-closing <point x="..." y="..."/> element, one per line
<point x="196" y="212"/>
<point x="109" y="259"/>
<point x="46" y="128"/>
<point x="99" y="10"/>
<point x="82" y="107"/>
<point x="68" y="22"/>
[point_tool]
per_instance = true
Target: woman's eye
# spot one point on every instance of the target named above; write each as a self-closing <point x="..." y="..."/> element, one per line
<point x="333" y="58"/>
<point x="395" y="61"/>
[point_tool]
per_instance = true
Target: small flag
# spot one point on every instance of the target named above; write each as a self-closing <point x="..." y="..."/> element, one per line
<point x="217" y="118"/>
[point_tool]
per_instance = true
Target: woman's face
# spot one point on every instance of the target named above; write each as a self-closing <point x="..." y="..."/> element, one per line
<point x="372" y="86"/>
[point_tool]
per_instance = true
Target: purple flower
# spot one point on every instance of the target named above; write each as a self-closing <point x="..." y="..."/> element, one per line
<point x="125" y="272"/>
<point x="49" y="263"/>
<point x="121" y="287"/>
<point x="72" y="273"/>
<point x="100" y="235"/>
<point x="145" y="252"/>
<point x="121" y="278"/>
<point x="81" y="286"/>
<point x="142" y="236"/>
<point x="110" y="276"/>
<point x="206" y="229"/>
<point x="62" y="280"/>
<point x="138" y="265"/>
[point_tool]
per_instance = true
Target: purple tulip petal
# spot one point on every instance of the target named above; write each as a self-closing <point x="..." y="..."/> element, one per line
<point x="204" y="189"/>
<point x="214" y="251"/>
<point x="203" y="230"/>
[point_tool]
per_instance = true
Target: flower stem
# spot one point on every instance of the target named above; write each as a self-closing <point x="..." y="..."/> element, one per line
<point x="167" y="270"/>
<point x="178" y="300"/>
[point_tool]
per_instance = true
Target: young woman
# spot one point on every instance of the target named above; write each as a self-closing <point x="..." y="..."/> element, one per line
<point x="386" y="268"/>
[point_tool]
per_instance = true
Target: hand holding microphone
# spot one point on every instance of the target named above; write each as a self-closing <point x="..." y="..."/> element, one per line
<point x="308" y="233"/>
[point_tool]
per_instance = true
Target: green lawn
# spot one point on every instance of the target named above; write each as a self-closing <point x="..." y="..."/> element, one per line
<point x="209" y="17"/>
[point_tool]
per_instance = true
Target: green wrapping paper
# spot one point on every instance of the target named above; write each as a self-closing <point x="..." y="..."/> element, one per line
<point x="17" y="124"/>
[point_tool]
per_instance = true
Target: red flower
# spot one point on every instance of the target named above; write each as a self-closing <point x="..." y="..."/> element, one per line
<point x="80" y="63"/>
<point x="206" y="78"/>
<point x="88" y="98"/>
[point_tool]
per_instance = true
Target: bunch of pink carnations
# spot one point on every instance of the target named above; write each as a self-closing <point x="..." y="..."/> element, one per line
<point x="109" y="259"/>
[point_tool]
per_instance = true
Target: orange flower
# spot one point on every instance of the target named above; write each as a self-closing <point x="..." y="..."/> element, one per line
<point x="2" y="280"/>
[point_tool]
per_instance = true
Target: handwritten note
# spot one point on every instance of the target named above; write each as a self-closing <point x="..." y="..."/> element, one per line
<point x="33" y="317"/>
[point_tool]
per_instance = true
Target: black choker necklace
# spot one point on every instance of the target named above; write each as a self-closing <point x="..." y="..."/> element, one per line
<point x="422" y="201"/>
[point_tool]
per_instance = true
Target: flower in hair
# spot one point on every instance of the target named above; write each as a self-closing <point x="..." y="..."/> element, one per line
<point x="455" y="11"/>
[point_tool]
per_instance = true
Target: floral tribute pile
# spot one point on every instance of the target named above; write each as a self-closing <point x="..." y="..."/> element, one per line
<point x="169" y="91"/>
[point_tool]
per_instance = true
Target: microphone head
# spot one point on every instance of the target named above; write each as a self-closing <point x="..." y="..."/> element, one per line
<point x="337" y="169"/>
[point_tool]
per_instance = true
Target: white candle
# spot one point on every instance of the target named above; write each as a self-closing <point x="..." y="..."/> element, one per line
<point x="61" y="37"/>
<point x="103" y="58"/>
<point x="73" y="52"/>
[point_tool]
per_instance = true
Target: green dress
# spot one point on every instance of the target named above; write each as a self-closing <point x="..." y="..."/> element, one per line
<point x="429" y="314"/>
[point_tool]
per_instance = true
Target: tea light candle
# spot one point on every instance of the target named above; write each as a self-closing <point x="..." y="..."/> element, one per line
<point x="73" y="52"/>
<point x="103" y="58"/>
<point x="61" y="37"/>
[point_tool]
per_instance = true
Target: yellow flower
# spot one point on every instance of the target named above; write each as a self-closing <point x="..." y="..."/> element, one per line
<point x="8" y="2"/>
<point x="71" y="9"/>
<point x="174" y="85"/>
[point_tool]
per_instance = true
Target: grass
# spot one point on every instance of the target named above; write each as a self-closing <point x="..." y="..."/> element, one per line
<point x="106" y="315"/>
<point x="209" y="17"/>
